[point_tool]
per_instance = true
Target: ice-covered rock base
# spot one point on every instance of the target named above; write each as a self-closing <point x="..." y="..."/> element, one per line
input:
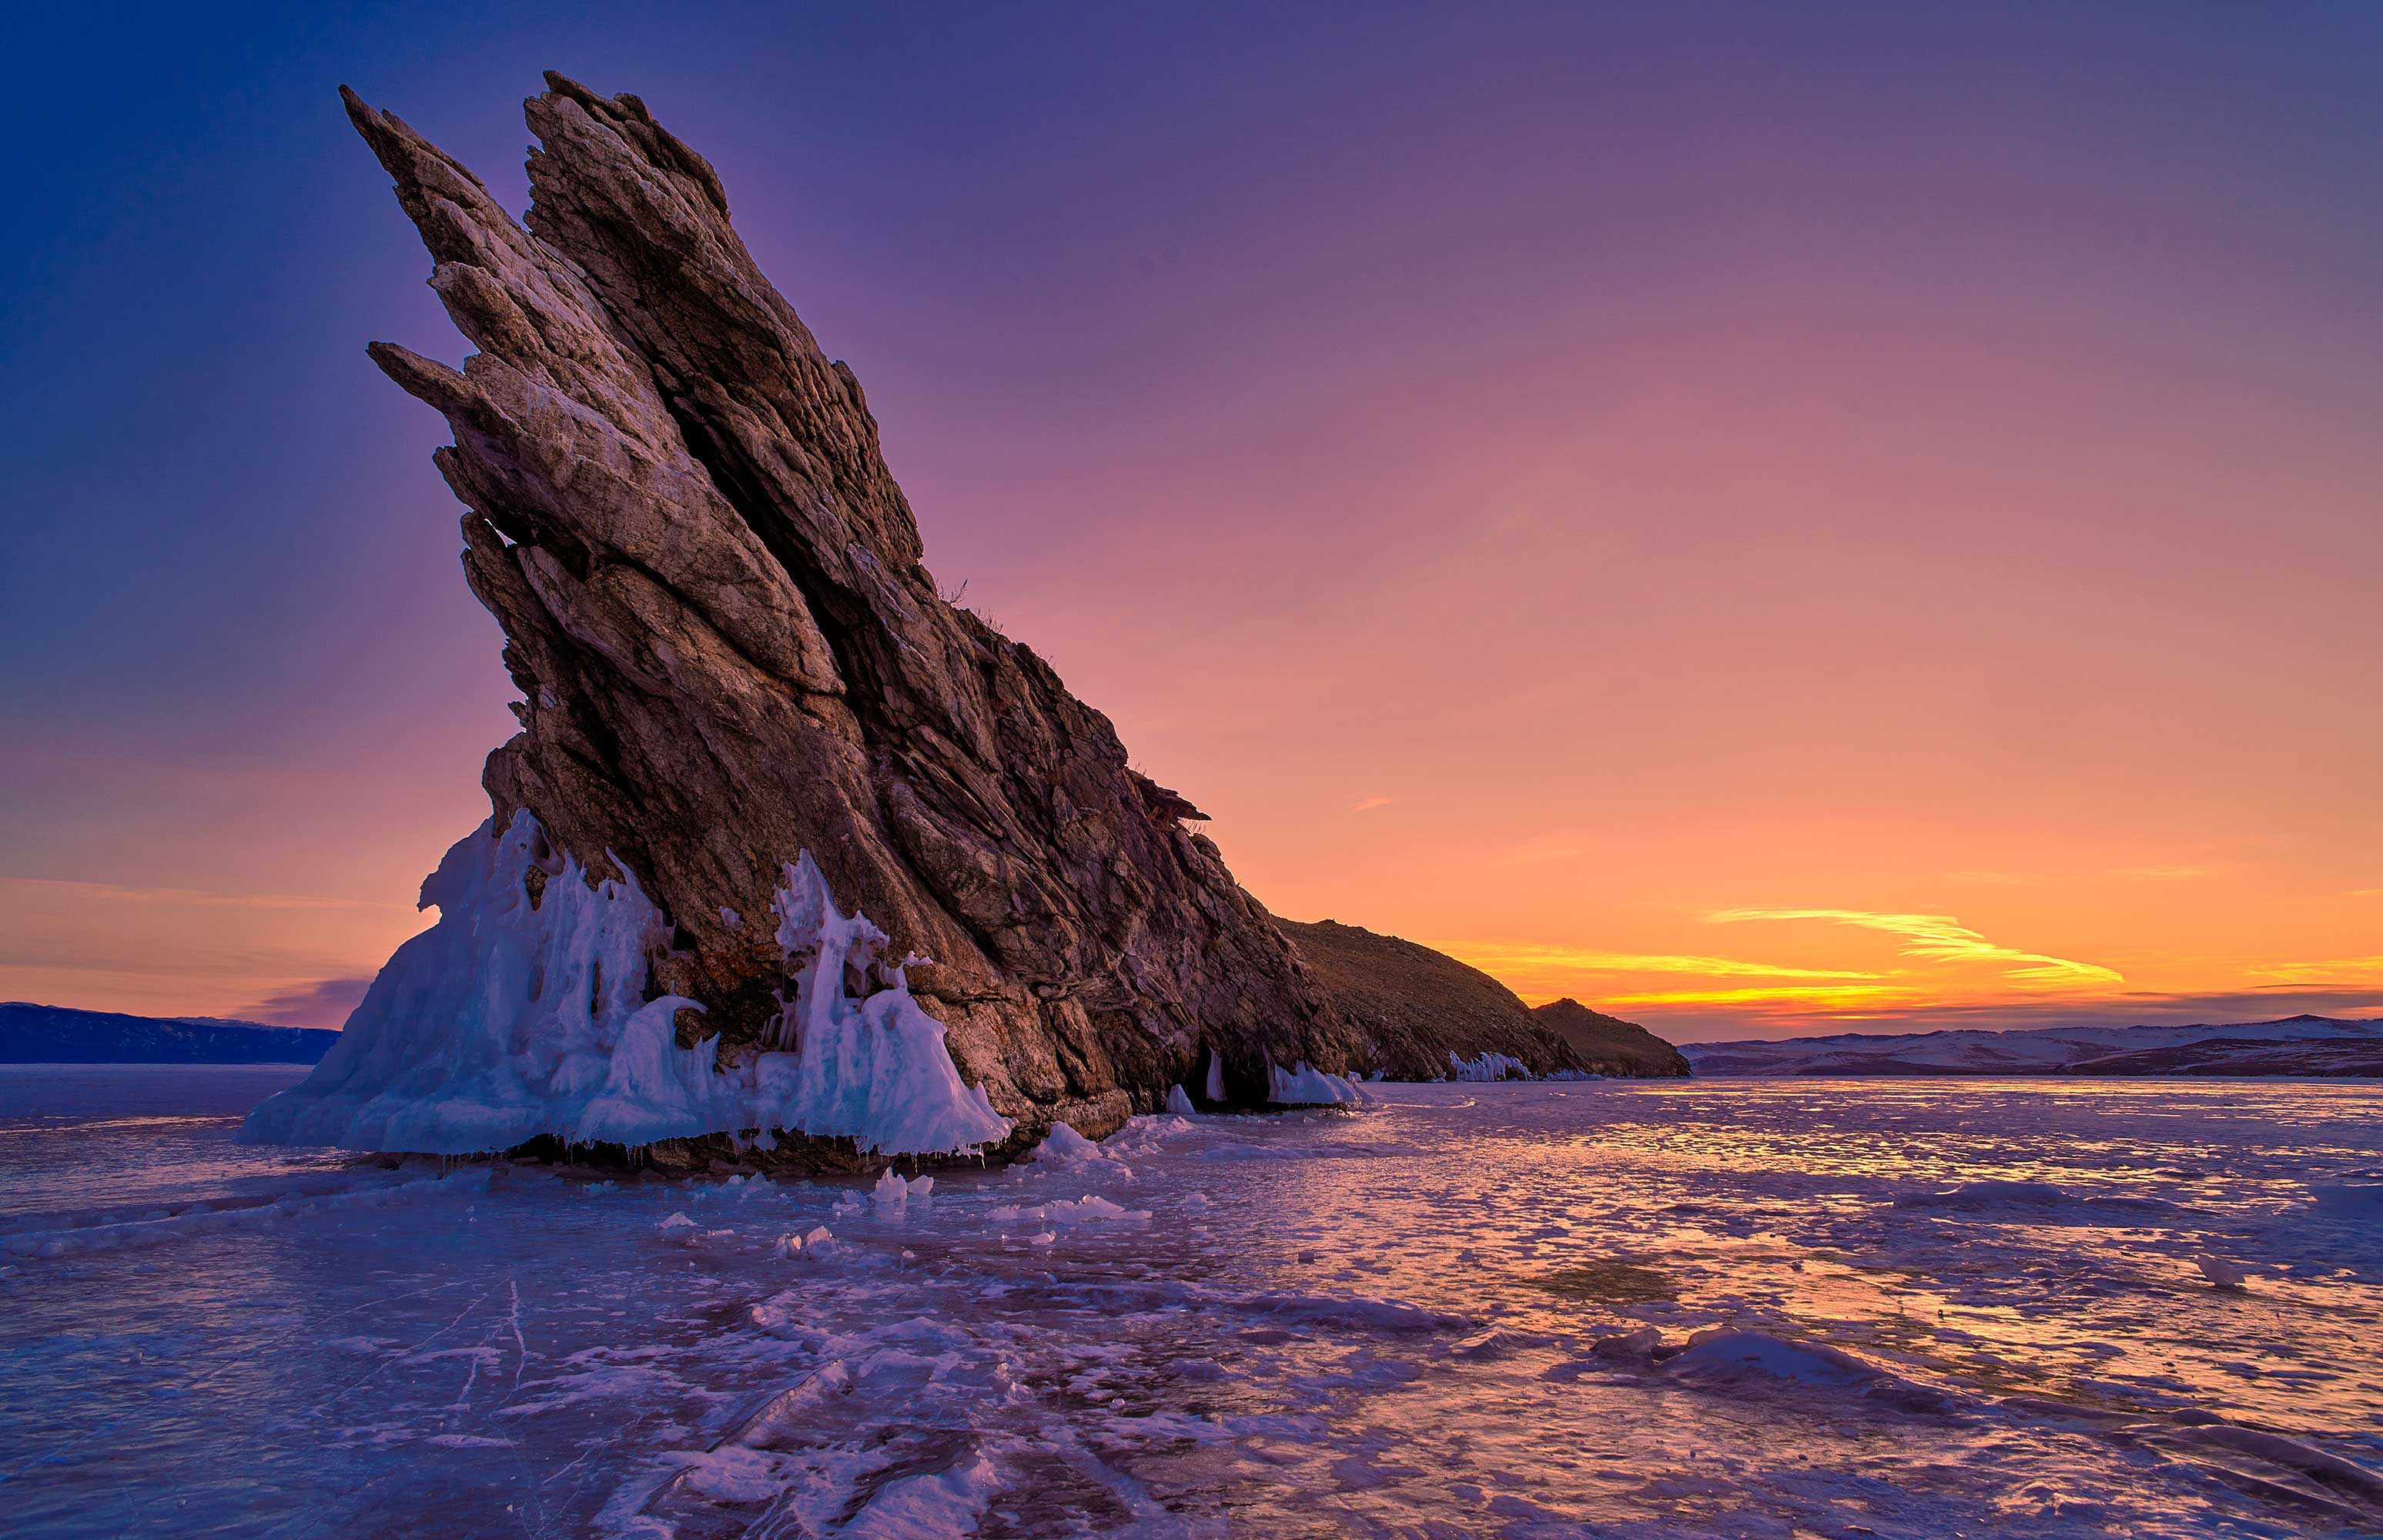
<point x="522" y="1014"/>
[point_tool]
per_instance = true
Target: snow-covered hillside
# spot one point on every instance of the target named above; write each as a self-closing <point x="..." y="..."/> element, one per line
<point x="60" y="1034"/>
<point x="2310" y="1045"/>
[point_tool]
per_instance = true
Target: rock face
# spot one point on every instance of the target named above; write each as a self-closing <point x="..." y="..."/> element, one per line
<point x="729" y="653"/>
<point x="1609" y="1045"/>
<point x="1418" y="1006"/>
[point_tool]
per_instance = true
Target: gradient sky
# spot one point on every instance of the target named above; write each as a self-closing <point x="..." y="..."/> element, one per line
<point x="1765" y="519"/>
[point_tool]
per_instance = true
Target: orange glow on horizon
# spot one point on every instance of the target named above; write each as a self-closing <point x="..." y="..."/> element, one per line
<point x="1779" y="538"/>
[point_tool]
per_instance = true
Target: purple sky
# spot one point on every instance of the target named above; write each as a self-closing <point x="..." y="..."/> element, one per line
<point x="1703" y="509"/>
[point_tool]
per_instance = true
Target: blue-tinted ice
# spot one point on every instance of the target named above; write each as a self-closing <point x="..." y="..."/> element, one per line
<point x="1770" y="1309"/>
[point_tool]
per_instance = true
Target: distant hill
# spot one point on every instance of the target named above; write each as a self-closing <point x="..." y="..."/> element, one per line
<point x="1607" y="1044"/>
<point x="55" y="1034"/>
<point x="1419" y="1006"/>
<point x="2300" y="1045"/>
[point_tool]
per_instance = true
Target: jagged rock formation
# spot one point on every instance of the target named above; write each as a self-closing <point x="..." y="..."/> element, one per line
<point x="1609" y="1045"/>
<point x="729" y="653"/>
<point x="1417" y="1006"/>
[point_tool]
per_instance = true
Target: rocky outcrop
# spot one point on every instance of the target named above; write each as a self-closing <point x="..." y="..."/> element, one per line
<point x="729" y="653"/>
<point x="1416" y="1006"/>
<point x="1609" y="1045"/>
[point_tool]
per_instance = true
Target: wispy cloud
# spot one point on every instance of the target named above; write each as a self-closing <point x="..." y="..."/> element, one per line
<point x="2342" y="971"/>
<point x="1998" y="879"/>
<point x="1492" y="957"/>
<point x="325" y="1003"/>
<point x="1829" y="1000"/>
<point x="1366" y="804"/>
<point x="1941" y="939"/>
<point x="2168" y="874"/>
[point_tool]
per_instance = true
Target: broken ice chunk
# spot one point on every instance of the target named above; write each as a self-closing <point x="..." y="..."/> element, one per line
<point x="2224" y="1274"/>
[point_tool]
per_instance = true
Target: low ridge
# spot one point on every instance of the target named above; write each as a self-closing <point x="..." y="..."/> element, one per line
<point x="1609" y="1045"/>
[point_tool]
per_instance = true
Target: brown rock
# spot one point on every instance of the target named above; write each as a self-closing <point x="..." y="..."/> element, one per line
<point x="1609" y="1045"/>
<point x="729" y="652"/>
<point x="1416" y="1005"/>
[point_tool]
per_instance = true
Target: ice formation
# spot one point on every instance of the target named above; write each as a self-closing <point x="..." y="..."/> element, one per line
<point x="875" y="1068"/>
<point x="1177" y="1102"/>
<point x="1064" y="1143"/>
<point x="516" y="1016"/>
<point x="1310" y="1088"/>
<point x="1488" y="1066"/>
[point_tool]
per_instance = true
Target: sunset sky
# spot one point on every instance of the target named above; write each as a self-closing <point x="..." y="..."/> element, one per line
<point x="1863" y="522"/>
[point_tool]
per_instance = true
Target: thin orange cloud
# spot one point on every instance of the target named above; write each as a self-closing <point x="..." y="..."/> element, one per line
<point x="2344" y="970"/>
<point x="1830" y="999"/>
<point x="1366" y="804"/>
<point x="1492" y="957"/>
<point x="1942" y="939"/>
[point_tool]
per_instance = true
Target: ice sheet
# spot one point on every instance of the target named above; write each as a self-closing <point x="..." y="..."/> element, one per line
<point x="1614" y="1308"/>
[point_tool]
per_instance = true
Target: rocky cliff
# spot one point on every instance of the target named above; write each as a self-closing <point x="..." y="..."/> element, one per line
<point x="1609" y="1045"/>
<point x="1417" y="1007"/>
<point x="729" y="654"/>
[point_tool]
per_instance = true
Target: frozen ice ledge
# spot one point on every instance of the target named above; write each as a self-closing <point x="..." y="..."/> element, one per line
<point x="523" y="1013"/>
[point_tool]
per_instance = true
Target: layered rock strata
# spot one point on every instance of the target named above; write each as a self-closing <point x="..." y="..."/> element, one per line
<point x="730" y="654"/>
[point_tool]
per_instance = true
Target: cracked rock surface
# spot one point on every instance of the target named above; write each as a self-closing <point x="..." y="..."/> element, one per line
<point x="729" y="652"/>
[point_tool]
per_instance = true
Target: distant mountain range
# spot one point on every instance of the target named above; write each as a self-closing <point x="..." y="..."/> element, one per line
<point x="55" y="1034"/>
<point x="2298" y="1045"/>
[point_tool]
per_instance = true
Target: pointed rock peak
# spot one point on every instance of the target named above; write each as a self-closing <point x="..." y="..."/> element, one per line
<point x="735" y="673"/>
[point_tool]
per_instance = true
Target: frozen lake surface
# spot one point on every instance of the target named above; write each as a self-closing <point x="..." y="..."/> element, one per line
<point x="1975" y="1307"/>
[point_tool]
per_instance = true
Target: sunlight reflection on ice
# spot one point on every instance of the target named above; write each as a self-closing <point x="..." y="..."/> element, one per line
<point x="1976" y="1306"/>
